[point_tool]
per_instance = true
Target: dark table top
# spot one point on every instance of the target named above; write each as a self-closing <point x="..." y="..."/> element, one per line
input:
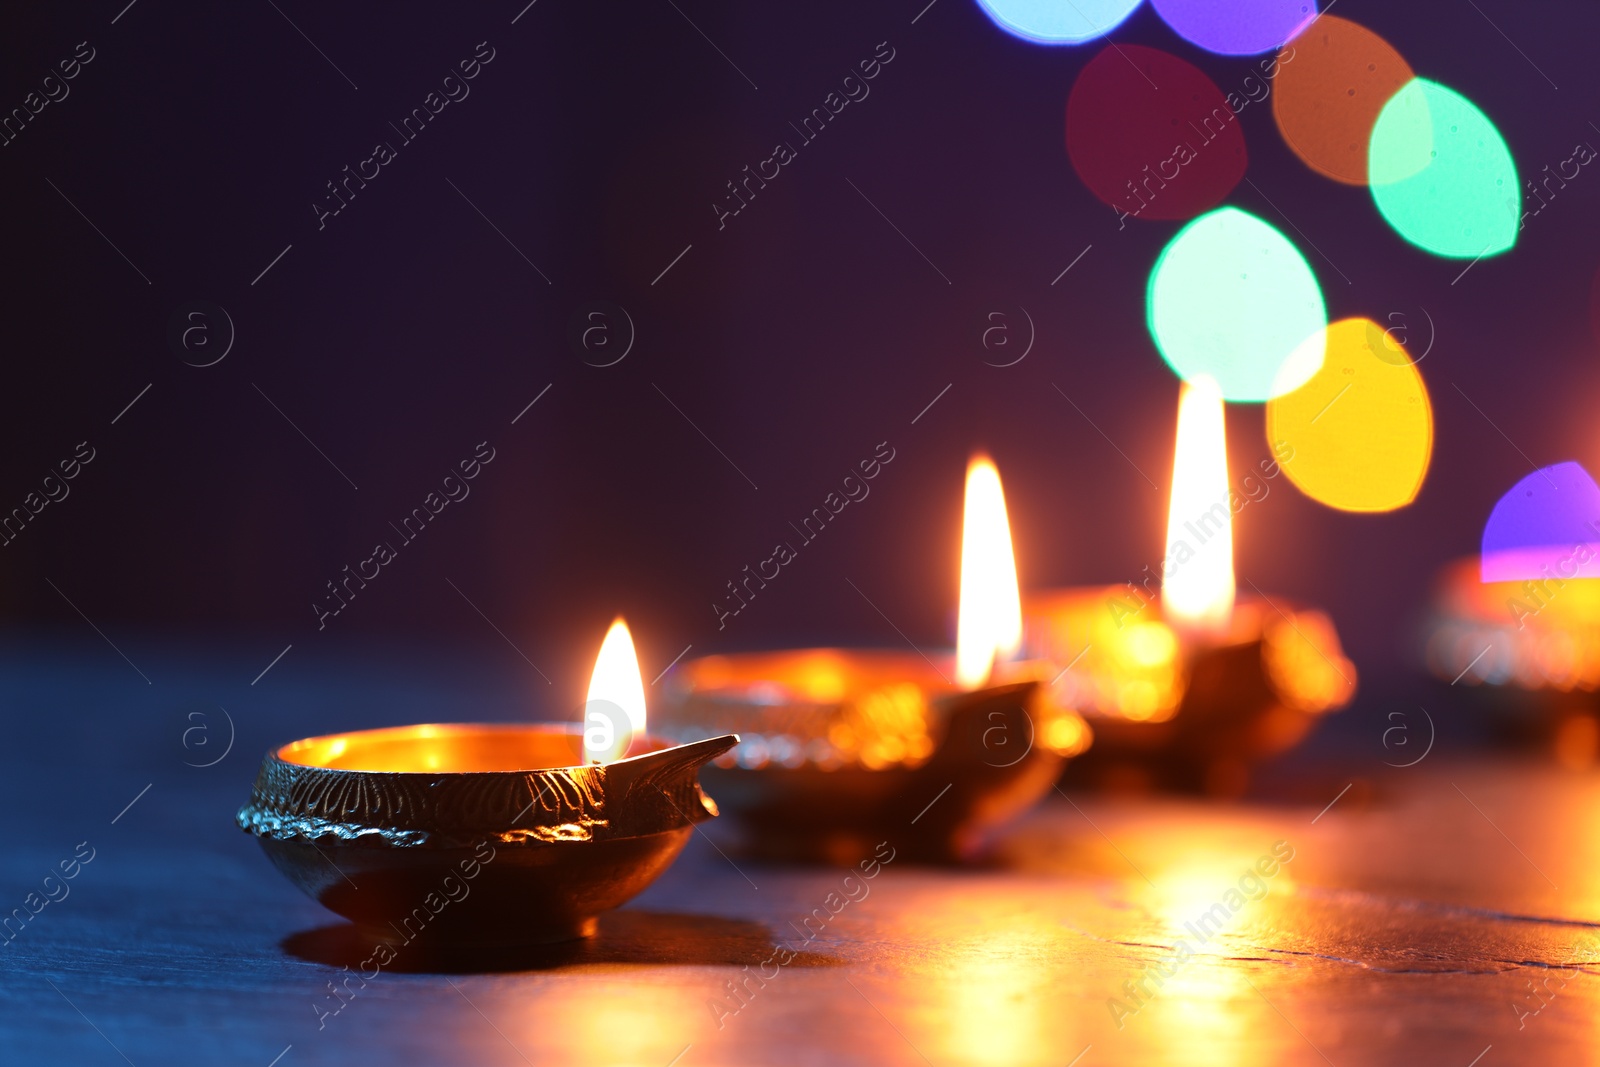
<point x="1434" y="914"/>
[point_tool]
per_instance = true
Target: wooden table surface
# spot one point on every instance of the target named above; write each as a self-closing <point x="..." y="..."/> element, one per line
<point x="1434" y="915"/>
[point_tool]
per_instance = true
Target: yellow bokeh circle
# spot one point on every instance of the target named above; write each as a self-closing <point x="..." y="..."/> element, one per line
<point x="1359" y="434"/>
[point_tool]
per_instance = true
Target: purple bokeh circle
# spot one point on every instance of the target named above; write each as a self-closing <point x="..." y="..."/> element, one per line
<point x="1236" y="27"/>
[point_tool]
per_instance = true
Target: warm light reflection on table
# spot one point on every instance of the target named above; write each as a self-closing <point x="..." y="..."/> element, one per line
<point x="993" y="1011"/>
<point x="1400" y="933"/>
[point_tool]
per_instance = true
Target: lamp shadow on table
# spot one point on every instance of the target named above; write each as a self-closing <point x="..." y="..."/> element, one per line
<point x="625" y="937"/>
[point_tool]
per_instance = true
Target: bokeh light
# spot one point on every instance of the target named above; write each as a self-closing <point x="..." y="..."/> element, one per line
<point x="1441" y="173"/>
<point x="1152" y="153"/>
<point x="1232" y="299"/>
<point x="1548" y="525"/>
<point x="1332" y="82"/>
<point x="1236" y="27"/>
<point x="1361" y="430"/>
<point x="1058" y="21"/>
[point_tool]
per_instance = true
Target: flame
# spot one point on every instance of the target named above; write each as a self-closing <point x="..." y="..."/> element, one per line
<point x="989" y="622"/>
<point x="1197" y="586"/>
<point x="614" y="711"/>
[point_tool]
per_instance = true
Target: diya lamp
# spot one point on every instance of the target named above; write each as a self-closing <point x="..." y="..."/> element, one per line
<point x="845" y="748"/>
<point x="1516" y="630"/>
<point x="485" y="835"/>
<point x="1188" y="684"/>
<point x="1525" y="654"/>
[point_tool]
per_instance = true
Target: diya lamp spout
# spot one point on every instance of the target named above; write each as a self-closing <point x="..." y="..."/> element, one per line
<point x="657" y="788"/>
<point x="660" y="790"/>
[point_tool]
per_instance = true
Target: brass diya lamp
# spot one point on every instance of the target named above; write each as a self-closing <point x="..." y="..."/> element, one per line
<point x="845" y="748"/>
<point x="1189" y="685"/>
<point x="1525" y="653"/>
<point x="485" y="836"/>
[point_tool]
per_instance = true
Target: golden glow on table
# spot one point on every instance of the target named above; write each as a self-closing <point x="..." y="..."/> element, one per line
<point x="997" y="1012"/>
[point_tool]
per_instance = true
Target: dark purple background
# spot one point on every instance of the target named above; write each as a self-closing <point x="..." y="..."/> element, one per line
<point x="796" y="338"/>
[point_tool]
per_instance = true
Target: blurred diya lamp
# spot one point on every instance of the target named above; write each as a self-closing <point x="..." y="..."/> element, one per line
<point x="1526" y="653"/>
<point x="477" y="836"/>
<point x="1519" y="625"/>
<point x="1191" y="689"/>
<point x="1188" y="712"/>
<point x="845" y="748"/>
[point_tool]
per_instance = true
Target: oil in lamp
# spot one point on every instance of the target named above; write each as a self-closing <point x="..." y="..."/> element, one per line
<point x="485" y="835"/>
<point x="846" y="748"/>
<point x="1191" y="684"/>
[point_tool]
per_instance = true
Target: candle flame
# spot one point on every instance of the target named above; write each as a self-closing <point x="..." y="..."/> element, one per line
<point x="614" y="711"/>
<point x="1197" y="587"/>
<point x="989" y="621"/>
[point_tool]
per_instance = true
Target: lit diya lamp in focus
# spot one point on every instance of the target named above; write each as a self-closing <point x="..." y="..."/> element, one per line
<point x="1516" y="630"/>
<point x="846" y="748"/>
<point x="1192" y="686"/>
<point x="485" y="835"/>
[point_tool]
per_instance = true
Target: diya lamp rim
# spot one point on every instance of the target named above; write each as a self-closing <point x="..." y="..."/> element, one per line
<point x="866" y="651"/>
<point x="763" y="727"/>
<point x="627" y="798"/>
<point x="680" y="676"/>
<point x="1257" y="611"/>
<point x="941" y="695"/>
<point x="1040" y="597"/>
<point x="1258" y="620"/>
<point x="275" y="753"/>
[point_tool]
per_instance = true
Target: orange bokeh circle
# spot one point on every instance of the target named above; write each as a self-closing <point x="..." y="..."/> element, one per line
<point x="1333" y="80"/>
